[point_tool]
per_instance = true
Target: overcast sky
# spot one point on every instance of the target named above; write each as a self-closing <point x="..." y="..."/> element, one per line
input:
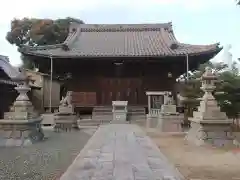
<point x="194" y="21"/>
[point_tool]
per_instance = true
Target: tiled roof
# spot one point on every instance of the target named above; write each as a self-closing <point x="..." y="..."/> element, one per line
<point x="11" y="71"/>
<point x="128" y="40"/>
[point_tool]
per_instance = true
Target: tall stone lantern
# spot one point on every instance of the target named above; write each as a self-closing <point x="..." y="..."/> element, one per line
<point x="210" y="125"/>
<point x="22" y="125"/>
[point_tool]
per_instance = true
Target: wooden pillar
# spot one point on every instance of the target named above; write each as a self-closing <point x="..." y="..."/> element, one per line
<point x="149" y="103"/>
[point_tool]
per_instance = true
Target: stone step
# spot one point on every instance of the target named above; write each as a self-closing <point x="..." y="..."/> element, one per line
<point x="137" y="117"/>
<point x="88" y="127"/>
<point x="102" y="114"/>
<point x="82" y="125"/>
<point x="94" y="121"/>
<point x="102" y="117"/>
<point x="88" y="124"/>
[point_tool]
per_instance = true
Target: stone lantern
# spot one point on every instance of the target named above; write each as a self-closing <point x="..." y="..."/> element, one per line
<point x="22" y="125"/>
<point x="210" y="125"/>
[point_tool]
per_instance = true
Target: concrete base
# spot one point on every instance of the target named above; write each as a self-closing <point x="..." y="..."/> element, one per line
<point x="208" y="133"/>
<point x="65" y="122"/>
<point x="170" y="123"/>
<point x="66" y="109"/>
<point x="20" y="132"/>
<point x="48" y="119"/>
<point x="152" y="121"/>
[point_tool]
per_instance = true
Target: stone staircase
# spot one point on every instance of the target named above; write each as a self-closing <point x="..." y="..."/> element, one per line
<point x="137" y="115"/>
<point x="100" y="115"/>
<point x="103" y="115"/>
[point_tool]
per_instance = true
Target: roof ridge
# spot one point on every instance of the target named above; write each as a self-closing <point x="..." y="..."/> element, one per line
<point x="4" y="58"/>
<point x="124" y="27"/>
<point x="10" y="70"/>
<point x="76" y="28"/>
<point x="87" y="40"/>
<point x="206" y="45"/>
<point x="74" y="32"/>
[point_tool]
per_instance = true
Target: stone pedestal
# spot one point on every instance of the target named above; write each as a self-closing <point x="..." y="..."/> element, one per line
<point x="21" y="126"/>
<point x="169" y="119"/>
<point x="152" y="121"/>
<point x="170" y="122"/>
<point x="119" y="109"/>
<point x="209" y="125"/>
<point x="48" y="119"/>
<point x="66" y="109"/>
<point x="66" y="119"/>
<point x="217" y="133"/>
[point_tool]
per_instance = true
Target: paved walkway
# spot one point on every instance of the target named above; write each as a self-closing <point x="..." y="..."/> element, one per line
<point x="121" y="152"/>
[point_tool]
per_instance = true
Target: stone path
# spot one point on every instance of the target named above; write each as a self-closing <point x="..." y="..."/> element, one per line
<point x="121" y="152"/>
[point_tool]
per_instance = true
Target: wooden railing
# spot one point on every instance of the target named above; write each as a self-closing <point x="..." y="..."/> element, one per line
<point x="84" y="99"/>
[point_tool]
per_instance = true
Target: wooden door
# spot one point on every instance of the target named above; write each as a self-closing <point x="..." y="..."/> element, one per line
<point x="123" y="89"/>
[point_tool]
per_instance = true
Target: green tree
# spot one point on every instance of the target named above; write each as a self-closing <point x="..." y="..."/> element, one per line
<point x="230" y="85"/>
<point x="35" y="32"/>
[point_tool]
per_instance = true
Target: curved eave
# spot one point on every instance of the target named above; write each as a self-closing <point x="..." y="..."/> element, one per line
<point x="165" y="44"/>
<point x="48" y="55"/>
<point x="8" y="69"/>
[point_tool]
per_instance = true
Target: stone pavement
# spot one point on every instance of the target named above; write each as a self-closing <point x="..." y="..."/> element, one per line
<point x="121" y="152"/>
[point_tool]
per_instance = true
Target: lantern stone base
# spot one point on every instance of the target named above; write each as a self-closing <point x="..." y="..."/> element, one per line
<point x="170" y="122"/>
<point x="20" y="132"/>
<point x="217" y="133"/>
<point x="152" y="121"/>
<point x="65" y="122"/>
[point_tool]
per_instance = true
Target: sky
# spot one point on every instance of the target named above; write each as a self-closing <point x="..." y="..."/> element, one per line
<point x="194" y="21"/>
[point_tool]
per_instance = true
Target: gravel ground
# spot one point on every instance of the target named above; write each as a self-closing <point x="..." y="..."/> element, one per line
<point x="45" y="160"/>
<point x="199" y="163"/>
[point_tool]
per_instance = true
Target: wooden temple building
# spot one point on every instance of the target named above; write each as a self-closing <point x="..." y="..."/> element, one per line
<point x="7" y="92"/>
<point x="108" y="62"/>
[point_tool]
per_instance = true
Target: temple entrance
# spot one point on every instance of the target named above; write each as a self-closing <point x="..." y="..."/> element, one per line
<point x="122" y="89"/>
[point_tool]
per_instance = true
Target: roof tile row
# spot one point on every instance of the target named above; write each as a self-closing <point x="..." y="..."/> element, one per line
<point x="89" y="40"/>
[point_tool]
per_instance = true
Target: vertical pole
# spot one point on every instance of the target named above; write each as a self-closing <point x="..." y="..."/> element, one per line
<point x="149" y="104"/>
<point x="51" y="78"/>
<point x="186" y="109"/>
<point x="187" y="66"/>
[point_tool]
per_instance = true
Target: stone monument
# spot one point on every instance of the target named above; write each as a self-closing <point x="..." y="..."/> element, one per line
<point x="66" y="118"/>
<point x="119" y="109"/>
<point x="22" y="125"/>
<point x="209" y="125"/>
<point x="169" y="119"/>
